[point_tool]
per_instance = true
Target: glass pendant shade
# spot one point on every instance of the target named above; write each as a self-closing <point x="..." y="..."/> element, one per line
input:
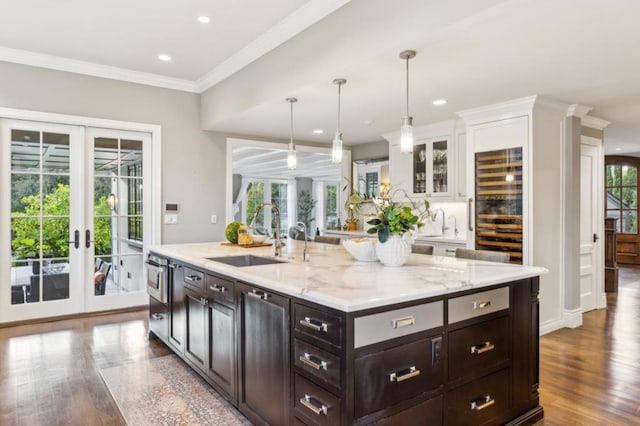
<point x="291" y="157"/>
<point x="336" y="151"/>
<point x="291" y="152"/>
<point x="406" y="136"/>
<point x="406" y="129"/>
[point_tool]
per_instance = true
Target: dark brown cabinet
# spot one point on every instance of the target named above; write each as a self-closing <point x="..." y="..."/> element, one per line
<point x="264" y="355"/>
<point x="196" y="336"/>
<point x="177" y="323"/>
<point x="221" y="357"/>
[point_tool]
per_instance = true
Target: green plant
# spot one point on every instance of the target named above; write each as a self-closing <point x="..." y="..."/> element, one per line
<point x="306" y="204"/>
<point x="392" y="219"/>
<point x="352" y="206"/>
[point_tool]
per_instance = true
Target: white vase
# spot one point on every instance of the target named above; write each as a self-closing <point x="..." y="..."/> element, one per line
<point x="395" y="251"/>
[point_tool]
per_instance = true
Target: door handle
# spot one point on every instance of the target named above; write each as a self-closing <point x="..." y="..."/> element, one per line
<point x="76" y="239"/>
<point x="469" y="211"/>
<point x="87" y="239"/>
<point x="595" y="238"/>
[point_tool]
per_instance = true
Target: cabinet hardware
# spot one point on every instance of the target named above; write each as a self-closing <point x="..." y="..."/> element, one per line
<point x="481" y="304"/>
<point x="308" y="359"/>
<point x="482" y="347"/>
<point x="258" y="295"/>
<point x="174" y="266"/>
<point x="469" y="214"/>
<point x="403" y="322"/>
<point x="450" y="250"/>
<point x="307" y="402"/>
<point x="595" y="238"/>
<point x="156" y="316"/>
<point x="192" y="278"/>
<point x="482" y="403"/>
<point x="314" y="324"/>
<point x="217" y="288"/>
<point x="405" y="374"/>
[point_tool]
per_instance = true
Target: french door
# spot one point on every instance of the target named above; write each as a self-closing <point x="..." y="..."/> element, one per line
<point x="72" y="232"/>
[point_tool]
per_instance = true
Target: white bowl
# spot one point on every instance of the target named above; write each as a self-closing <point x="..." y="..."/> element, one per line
<point x="361" y="249"/>
<point x="257" y="238"/>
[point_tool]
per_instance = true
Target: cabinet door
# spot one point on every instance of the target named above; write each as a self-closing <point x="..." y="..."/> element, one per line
<point x="461" y="166"/>
<point x="264" y="356"/>
<point x="221" y="362"/>
<point x="195" y="342"/>
<point x="176" y="306"/>
<point x="438" y="167"/>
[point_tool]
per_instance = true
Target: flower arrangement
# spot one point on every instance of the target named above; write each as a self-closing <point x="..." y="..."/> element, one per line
<point x="393" y="218"/>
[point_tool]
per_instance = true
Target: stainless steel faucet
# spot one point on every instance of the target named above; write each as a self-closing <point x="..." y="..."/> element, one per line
<point x="455" y="225"/>
<point x="304" y="252"/>
<point x="435" y="215"/>
<point x="277" y="244"/>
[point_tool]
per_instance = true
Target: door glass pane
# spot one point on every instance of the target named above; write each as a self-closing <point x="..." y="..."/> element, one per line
<point x="615" y="214"/>
<point x="55" y="151"/>
<point x="629" y="197"/>
<point x="105" y="156"/>
<point x="629" y="176"/>
<point x="25" y="194"/>
<point x="629" y="221"/>
<point x="613" y="198"/>
<point x="103" y="275"/>
<point x="55" y="190"/>
<point x="25" y="150"/>
<point x="612" y="173"/>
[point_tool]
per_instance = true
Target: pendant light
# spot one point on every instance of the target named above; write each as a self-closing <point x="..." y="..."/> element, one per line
<point x="291" y="153"/>
<point x="336" y="151"/>
<point x="406" y="129"/>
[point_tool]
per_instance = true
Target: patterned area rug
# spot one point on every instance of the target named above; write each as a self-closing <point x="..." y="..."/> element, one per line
<point x="164" y="391"/>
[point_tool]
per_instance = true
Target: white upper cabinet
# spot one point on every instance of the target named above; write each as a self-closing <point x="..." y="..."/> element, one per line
<point x="433" y="170"/>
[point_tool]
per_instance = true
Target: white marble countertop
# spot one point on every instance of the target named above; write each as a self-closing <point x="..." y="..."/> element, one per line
<point x="460" y="240"/>
<point x="332" y="278"/>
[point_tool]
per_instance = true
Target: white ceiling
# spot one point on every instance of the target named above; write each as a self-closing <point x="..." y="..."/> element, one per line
<point x="470" y="52"/>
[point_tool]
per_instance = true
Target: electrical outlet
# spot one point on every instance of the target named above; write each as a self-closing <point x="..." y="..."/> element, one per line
<point x="214" y="218"/>
<point x="436" y="350"/>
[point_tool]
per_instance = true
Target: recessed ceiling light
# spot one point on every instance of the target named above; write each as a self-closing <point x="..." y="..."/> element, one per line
<point x="618" y="149"/>
<point x="318" y="131"/>
<point x="204" y="19"/>
<point x="439" y="102"/>
<point x="164" y="57"/>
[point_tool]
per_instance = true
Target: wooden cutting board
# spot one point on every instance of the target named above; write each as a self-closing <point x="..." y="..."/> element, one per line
<point x="247" y="246"/>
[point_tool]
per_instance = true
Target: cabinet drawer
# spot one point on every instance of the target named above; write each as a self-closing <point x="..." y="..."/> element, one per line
<point x="219" y="288"/>
<point x="426" y="413"/>
<point x="483" y="401"/>
<point x="387" y="377"/>
<point x="475" y="348"/>
<point x="193" y="278"/>
<point x="321" y="325"/>
<point x="321" y="364"/>
<point x="314" y="404"/>
<point x="399" y="322"/>
<point x="477" y="304"/>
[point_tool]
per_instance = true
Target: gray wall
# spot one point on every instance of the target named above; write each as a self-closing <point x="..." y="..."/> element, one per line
<point x="193" y="161"/>
<point x="366" y="151"/>
<point x="572" y="214"/>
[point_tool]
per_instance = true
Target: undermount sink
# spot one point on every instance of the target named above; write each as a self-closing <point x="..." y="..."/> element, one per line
<point x="244" y="260"/>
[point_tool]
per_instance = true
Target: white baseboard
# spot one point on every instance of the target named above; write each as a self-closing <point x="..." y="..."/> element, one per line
<point x="571" y="318"/>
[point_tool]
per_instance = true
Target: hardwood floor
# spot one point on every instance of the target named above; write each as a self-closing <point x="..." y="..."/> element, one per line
<point x="591" y="375"/>
<point x="49" y="372"/>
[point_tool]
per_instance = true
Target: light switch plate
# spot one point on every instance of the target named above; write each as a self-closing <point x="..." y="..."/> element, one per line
<point x="171" y="219"/>
<point x="214" y="218"/>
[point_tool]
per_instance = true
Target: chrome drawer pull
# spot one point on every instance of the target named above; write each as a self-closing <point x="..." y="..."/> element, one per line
<point x="217" y="288"/>
<point x="192" y="278"/>
<point x="482" y="347"/>
<point x="401" y="375"/>
<point x="258" y="295"/>
<point x="481" y="305"/>
<point x="308" y="359"/>
<point x="482" y="403"/>
<point x="306" y="401"/>
<point x="403" y="322"/>
<point x="314" y="324"/>
<point x="157" y="316"/>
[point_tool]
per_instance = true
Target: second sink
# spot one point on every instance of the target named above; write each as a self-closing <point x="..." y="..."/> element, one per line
<point x="244" y="260"/>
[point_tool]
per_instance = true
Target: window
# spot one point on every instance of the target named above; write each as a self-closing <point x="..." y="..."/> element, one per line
<point x="279" y="198"/>
<point x="255" y="197"/>
<point x="134" y="194"/>
<point x="274" y="192"/>
<point x="331" y="212"/>
<point x="372" y="184"/>
<point x="621" y="184"/>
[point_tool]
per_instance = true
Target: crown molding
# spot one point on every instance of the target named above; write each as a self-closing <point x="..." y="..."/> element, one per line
<point x="510" y="109"/>
<point x="298" y="21"/>
<point x="41" y="60"/>
<point x="594" y="122"/>
<point x="577" y="110"/>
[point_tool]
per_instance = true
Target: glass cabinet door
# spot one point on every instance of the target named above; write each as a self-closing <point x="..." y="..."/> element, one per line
<point x="431" y="162"/>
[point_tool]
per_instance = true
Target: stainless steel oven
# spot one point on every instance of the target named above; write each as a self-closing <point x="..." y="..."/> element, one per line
<point x="157" y="277"/>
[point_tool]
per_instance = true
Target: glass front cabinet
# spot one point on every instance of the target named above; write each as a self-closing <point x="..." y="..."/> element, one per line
<point x="431" y="171"/>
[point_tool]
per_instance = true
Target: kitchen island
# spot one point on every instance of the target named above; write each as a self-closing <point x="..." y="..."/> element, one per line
<point x="334" y="341"/>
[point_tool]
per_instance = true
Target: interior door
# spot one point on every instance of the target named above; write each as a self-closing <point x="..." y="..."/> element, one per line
<point x="41" y="220"/>
<point x="117" y="193"/>
<point x="591" y="224"/>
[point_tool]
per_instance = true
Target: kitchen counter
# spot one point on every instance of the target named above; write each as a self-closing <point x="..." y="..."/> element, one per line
<point x="333" y="279"/>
